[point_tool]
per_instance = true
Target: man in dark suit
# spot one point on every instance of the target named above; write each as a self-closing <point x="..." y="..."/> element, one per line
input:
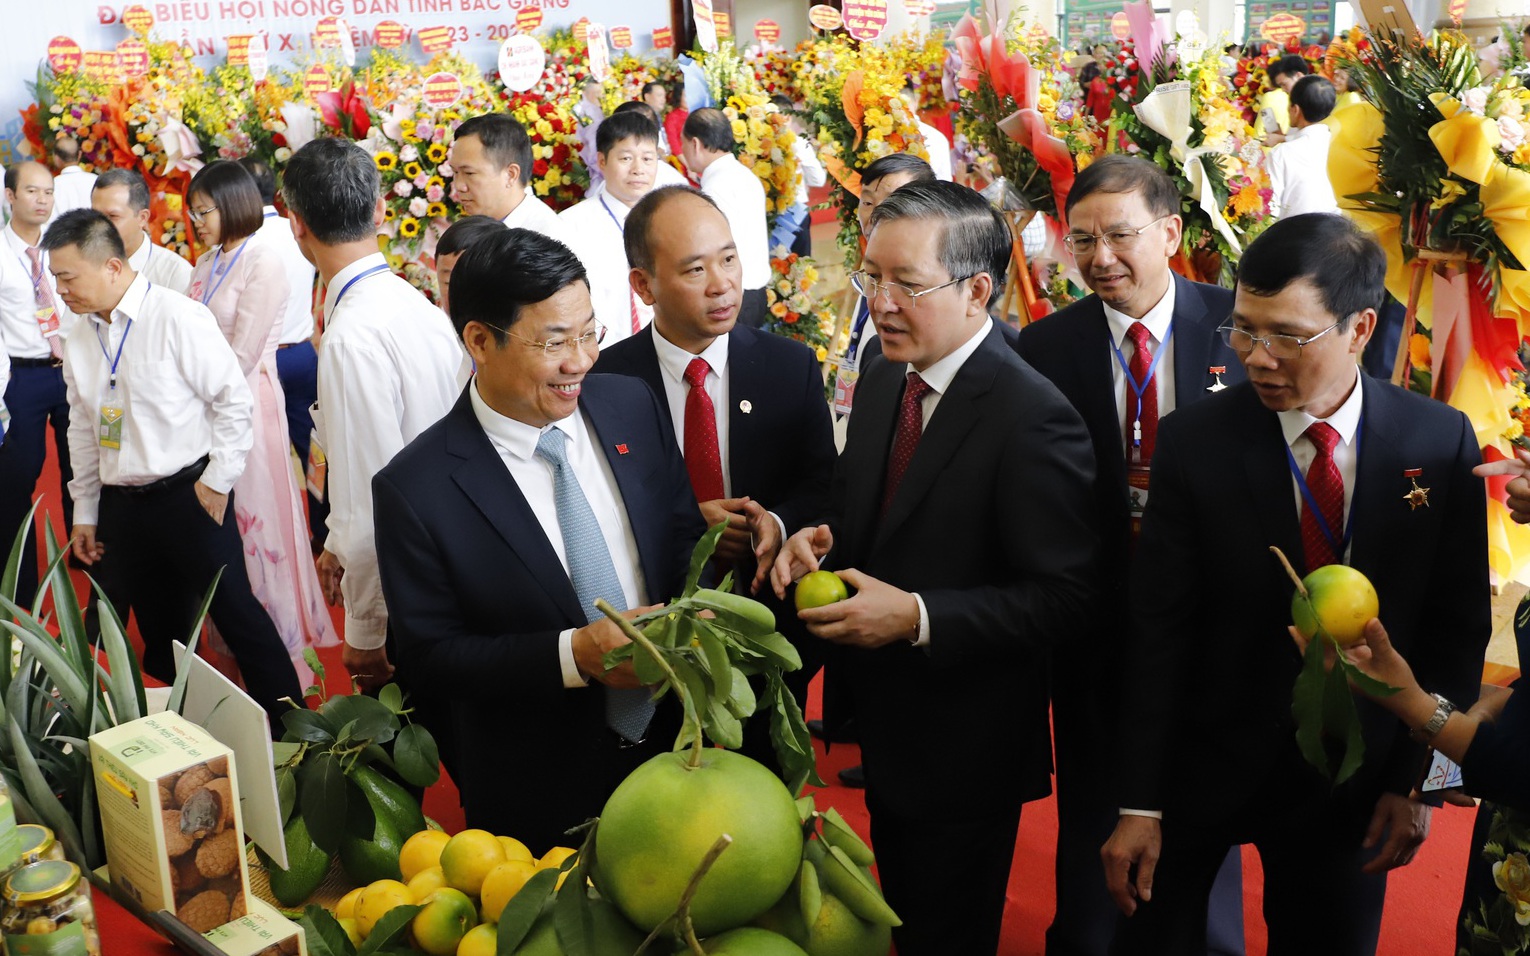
<point x="747" y="406"/>
<point x="1122" y="213"/>
<point x="543" y="489"/>
<point x="962" y="516"/>
<point x="1322" y="461"/>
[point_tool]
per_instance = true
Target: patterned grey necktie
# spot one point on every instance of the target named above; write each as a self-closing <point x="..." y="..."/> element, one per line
<point x="628" y="710"/>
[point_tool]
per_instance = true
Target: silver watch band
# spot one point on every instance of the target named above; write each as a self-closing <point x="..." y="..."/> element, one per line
<point x="1437" y="720"/>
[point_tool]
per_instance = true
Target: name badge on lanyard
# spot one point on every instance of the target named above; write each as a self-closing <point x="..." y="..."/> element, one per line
<point x="317" y="468"/>
<point x="47" y="320"/>
<point x="1136" y="494"/>
<point x="113" y="411"/>
<point x="844" y="387"/>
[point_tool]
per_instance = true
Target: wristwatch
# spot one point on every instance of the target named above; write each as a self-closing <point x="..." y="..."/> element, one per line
<point x="1436" y="721"/>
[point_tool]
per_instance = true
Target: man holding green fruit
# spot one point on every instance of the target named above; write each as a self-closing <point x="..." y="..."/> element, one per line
<point x="962" y="517"/>
<point x="1332" y="468"/>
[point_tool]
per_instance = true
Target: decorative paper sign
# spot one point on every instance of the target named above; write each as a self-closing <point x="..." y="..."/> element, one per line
<point x="326" y="34"/>
<point x="599" y="51"/>
<point x="238" y="49"/>
<point x="1282" y="27"/>
<point x="435" y="40"/>
<point x="316" y="80"/>
<point x="723" y="21"/>
<point x="919" y="8"/>
<point x="138" y="19"/>
<point x="133" y="58"/>
<point x="443" y="89"/>
<point x="1457" y="10"/>
<point x="521" y="62"/>
<point x="528" y="19"/>
<point x="581" y="29"/>
<point x="64" y="55"/>
<point x="101" y="64"/>
<point x="1120" y="27"/>
<point x="389" y="35"/>
<point x="767" y="31"/>
<point x="259" y="62"/>
<point x="706" y="26"/>
<point x="663" y="38"/>
<point x="824" y="17"/>
<point x="865" y="19"/>
<point x="621" y="38"/>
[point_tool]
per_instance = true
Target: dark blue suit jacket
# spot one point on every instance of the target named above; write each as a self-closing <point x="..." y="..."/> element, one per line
<point x="781" y="452"/>
<point x="477" y="597"/>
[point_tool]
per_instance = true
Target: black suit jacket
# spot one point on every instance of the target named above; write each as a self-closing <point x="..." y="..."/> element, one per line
<point x="781" y="452"/>
<point x="1072" y="348"/>
<point x="1207" y="718"/>
<point x="993" y="527"/>
<point x="477" y="597"/>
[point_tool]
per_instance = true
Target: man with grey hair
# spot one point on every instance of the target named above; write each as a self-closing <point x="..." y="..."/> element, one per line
<point x="390" y="366"/>
<point x="956" y="448"/>
<point x="122" y="196"/>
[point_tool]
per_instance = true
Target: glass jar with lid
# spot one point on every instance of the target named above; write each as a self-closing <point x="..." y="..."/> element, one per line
<point x="37" y="844"/>
<point x="48" y="910"/>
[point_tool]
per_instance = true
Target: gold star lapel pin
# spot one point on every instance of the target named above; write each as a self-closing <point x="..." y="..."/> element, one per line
<point x="1417" y="496"/>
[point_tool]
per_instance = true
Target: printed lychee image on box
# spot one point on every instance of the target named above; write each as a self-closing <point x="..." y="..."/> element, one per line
<point x="171" y="820"/>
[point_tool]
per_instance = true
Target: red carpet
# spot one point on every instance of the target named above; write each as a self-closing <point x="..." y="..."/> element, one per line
<point x="1422" y="898"/>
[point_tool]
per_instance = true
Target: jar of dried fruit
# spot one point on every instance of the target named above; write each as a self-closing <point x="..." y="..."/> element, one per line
<point x="48" y="910"/>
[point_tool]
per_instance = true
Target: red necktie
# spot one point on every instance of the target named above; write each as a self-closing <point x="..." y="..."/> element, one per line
<point x="1141" y="361"/>
<point x="1327" y="488"/>
<point x="43" y="297"/>
<point x="910" y="427"/>
<point x="702" y="458"/>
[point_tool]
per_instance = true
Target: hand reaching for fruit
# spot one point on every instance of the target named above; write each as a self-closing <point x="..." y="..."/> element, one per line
<point x="799" y="555"/>
<point x="877" y="615"/>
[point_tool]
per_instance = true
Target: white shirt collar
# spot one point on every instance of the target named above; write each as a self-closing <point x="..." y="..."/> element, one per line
<point x="611" y="204"/>
<point x="338" y="283"/>
<point x="524" y="210"/>
<point x="1311" y="130"/>
<point x="1345" y="421"/>
<point x="719" y="167"/>
<point x="70" y="169"/>
<point x="131" y="304"/>
<point x="518" y="438"/>
<point x="673" y="359"/>
<point x="1158" y="318"/>
<point x="940" y="374"/>
<point x="18" y="243"/>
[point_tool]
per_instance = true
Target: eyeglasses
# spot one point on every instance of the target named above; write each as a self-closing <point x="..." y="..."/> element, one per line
<point x="1279" y="346"/>
<point x="899" y="295"/>
<point x="199" y="215"/>
<point x="1116" y="240"/>
<point x="556" y="347"/>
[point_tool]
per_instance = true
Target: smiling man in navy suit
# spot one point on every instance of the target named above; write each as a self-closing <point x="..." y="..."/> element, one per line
<point x="542" y="490"/>
<point x="1124" y="229"/>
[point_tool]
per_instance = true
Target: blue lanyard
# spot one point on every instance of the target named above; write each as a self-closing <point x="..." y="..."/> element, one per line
<point x="1340" y="547"/>
<point x="207" y="296"/>
<point x="102" y="342"/>
<point x="619" y="227"/>
<point x="355" y="279"/>
<point x="273" y="215"/>
<point x="861" y="315"/>
<point x="1138" y="388"/>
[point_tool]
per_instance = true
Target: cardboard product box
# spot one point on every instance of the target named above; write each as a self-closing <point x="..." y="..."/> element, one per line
<point x="260" y="932"/>
<point x="171" y="819"/>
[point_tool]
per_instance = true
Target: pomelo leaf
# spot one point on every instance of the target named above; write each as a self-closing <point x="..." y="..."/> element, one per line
<point x="1341" y="724"/>
<point x="323" y="800"/>
<point x="324" y="934"/>
<point x="392" y="928"/>
<point x="518" y="916"/>
<point x="1307" y="707"/>
<point x="1367" y="684"/>
<point x="701" y="555"/>
<point x="416" y="756"/>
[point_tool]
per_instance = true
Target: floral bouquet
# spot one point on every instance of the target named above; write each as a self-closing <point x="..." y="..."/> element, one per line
<point x="628" y="75"/>
<point x="773" y="71"/>
<point x="794" y="311"/>
<point x="558" y="173"/>
<point x="75" y="105"/>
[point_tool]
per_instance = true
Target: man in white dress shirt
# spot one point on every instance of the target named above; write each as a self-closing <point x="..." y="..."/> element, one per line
<point x="935" y="142"/>
<point x="708" y="153"/>
<point x="72" y="188"/>
<point x="32" y="378"/>
<point x="491" y="162"/>
<point x="297" y="363"/>
<point x="159" y="431"/>
<point x="628" y="146"/>
<point x="664" y="174"/>
<point x="389" y="367"/>
<point x="122" y="196"/>
<point x="1299" y="164"/>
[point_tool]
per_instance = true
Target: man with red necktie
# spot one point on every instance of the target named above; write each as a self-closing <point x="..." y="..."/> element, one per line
<point x="748" y="407"/>
<point x="963" y="517"/>
<point x="1319" y="460"/>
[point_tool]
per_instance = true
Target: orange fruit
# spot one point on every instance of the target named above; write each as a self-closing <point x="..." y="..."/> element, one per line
<point x="468" y="857"/>
<point x="421" y="852"/>
<point x="516" y="850"/>
<point x="376" y="900"/>
<point x="554" y="858"/>
<point x="481" y="940"/>
<point x="817" y="588"/>
<point x="1341" y="601"/>
<point x="447" y="916"/>
<point x="426" y="882"/>
<point x="346" y="908"/>
<point x="501" y="885"/>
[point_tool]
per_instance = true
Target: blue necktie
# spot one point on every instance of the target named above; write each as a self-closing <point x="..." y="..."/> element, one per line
<point x="628" y="710"/>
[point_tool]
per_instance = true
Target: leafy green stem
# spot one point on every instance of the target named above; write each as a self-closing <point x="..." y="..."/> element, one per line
<point x="641" y="640"/>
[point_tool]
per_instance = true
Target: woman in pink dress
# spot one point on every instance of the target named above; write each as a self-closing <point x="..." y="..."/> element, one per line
<point x="244" y="283"/>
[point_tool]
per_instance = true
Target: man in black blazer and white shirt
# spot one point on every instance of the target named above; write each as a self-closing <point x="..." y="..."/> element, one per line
<point x="1331" y="466"/>
<point x="962" y="516"/>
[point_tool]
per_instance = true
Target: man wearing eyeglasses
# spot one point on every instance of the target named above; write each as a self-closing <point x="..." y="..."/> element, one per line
<point x="963" y="518"/>
<point x="1332" y="467"/>
<point x="543" y="489"/>
<point x="747" y="406"/>
<point x="1143" y="332"/>
<point x="389" y="366"/>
